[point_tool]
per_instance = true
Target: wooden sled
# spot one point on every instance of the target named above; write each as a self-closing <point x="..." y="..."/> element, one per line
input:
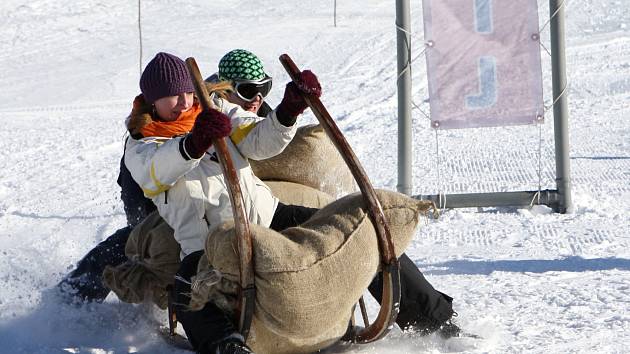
<point x="389" y="263"/>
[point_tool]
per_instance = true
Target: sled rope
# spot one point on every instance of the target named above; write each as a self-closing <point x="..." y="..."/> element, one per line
<point x="206" y="279"/>
<point x="182" y="279"/>
<point x="137" y="260"/>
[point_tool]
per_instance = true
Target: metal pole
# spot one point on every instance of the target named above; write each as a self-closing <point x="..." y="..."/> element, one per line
<point x="560" y="109"/>
<point x="499" y="199"/>
<point x="403" y="41"/>
<point x="140" y="36"/>
<point x="335" y="13"/>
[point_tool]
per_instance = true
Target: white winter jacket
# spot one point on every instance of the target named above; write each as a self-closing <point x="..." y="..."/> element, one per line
<point x="191" y="195"/>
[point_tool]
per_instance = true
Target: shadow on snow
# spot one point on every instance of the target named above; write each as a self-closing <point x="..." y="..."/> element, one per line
<point x="568" y="264"/>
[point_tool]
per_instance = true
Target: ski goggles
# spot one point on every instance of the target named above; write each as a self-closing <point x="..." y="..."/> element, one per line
<point x="247" y="90"/>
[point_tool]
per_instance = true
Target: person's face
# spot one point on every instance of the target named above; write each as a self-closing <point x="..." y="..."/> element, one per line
<point x="169" y="108"/>
<point x="252" y="106"/>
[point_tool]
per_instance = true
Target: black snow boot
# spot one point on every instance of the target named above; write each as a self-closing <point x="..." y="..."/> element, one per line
<point x="232" y="346"/>
<point x="445" y="329"/>
<point x="85" y="283"/>
<point x="449" y="330"/>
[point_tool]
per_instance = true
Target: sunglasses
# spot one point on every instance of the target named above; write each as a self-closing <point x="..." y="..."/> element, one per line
<point x="247" y="90"/>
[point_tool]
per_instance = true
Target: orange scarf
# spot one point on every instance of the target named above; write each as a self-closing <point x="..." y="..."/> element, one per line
<point x="182" y="125"/>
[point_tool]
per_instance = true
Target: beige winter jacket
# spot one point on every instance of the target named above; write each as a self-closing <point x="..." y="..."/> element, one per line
<point x="191" y="195"/>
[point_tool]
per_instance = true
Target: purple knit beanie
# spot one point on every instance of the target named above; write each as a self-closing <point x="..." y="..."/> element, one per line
<point x="165" y="75"/>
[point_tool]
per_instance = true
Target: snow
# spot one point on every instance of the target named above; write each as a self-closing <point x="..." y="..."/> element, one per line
<point x="527" y="280"/>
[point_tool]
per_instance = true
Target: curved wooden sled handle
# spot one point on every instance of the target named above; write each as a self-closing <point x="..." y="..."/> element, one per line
<point x="247" y="292"/>
<point x="391" y="277"/>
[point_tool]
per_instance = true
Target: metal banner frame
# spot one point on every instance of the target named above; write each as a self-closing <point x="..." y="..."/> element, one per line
<point x="558" y="199"/>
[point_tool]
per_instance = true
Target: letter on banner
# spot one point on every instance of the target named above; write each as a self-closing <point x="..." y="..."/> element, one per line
<point x="483" y="63"/>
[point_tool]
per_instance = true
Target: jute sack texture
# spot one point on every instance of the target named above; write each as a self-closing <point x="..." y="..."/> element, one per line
<point x="310" y="159"/>
<point x="308" y="277"/>
<point x="153" y="261"/>
<point x="299" y="194"/>
<point x="154" y="254"/>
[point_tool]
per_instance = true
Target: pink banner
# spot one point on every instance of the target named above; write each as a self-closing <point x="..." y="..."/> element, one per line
<point x="483" y="62"/>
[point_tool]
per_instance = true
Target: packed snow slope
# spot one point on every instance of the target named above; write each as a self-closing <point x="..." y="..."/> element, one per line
<point x="527" y="280"/>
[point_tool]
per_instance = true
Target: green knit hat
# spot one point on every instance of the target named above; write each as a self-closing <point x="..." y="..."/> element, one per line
<point x="240" y="64"/>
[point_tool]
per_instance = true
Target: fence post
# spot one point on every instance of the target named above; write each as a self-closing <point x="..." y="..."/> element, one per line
<point x="140" y="35"/>
<point x="403" y="42"/>
<point x="560" y="110"/>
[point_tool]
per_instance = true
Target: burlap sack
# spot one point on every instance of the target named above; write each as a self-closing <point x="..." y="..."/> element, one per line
<point x="153" y="261"/>
<point x="154" y="254"/>
<point x="309" y="277"/>
<point x="298" y="194"/>
<point x="310" y="159"/>
<point x="210" y="286"/>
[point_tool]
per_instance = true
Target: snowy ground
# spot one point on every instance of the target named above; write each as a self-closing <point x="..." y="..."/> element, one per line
<point x="526" y="280"/>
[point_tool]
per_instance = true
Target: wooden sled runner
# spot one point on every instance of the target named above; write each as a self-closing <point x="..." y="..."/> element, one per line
<point x="246" y="291"/>
<point x="389" y="263"/>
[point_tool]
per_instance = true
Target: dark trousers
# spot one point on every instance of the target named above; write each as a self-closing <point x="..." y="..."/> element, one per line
<point x="421" y="306"/>
<point x="204" y="328"/>
<point x="287" y="216"/>
<point x="85" y="282"/>
<point x="207" y="327"/>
